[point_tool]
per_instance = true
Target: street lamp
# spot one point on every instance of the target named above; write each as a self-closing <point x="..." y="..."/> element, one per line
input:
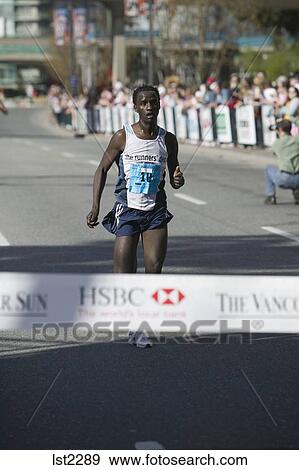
<point x="72" y="52"/>
<point x="151" y="44"/>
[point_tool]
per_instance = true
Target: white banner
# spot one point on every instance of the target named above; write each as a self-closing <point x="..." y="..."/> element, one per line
<point x="161" y="119"/>
<point x="123" y="112"/>
<point x="189" y="126"/>
<point x="193" y="125"/>
<point x="223" y="124"/>
<point x="181" y="123"/>
<point x="245" y="122"/>
<point x="131" y="117"/>
<point x="182" y="304"/>
<point x="116" y="125"/>
<point x="79" y="121"/>
<point x="206" y="124"/>
<point x="108" y="120"/>
<point x="103" y="115"/>
<point x="158" y="459"/>
<point x="169" y="119"/>
<point x="268" y="119"/>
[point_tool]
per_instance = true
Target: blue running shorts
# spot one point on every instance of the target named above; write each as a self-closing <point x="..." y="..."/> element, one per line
<point x="123" y="221"/>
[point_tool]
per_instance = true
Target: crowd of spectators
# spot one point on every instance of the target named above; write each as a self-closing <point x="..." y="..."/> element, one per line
<point x="282" y="95"/>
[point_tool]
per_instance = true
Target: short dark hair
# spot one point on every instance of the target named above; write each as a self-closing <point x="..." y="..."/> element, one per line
<point x="285" y="125"/>
<point x="296" y="90"/>
<point x="144" y="88"/>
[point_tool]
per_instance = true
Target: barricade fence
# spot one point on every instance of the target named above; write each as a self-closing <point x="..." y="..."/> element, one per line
<point x="245" y="125"/>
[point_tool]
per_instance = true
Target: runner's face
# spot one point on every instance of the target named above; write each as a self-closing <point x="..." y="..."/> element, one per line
<point x="147" y="106"/>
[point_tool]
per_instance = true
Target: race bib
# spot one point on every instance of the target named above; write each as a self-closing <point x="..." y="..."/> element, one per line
<point x="144" y="178"/>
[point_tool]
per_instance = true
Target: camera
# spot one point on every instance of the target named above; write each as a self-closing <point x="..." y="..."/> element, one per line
<point x="280" y="123"/>
<point x="283" y="124"/>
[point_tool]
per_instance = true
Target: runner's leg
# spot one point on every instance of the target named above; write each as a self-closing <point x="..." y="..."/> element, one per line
<point x="154" y="247"/>
<point x="124" y="258"/>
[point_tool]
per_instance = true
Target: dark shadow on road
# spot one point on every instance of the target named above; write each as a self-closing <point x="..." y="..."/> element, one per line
<point x="218" y="255"/>
<point x="108" y="396"/>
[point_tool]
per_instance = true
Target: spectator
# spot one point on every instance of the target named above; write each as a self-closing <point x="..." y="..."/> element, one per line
<point x="3" y="108"/>
<point x="285" y="101"/>
<point x="214" y="96"/>
<point x="258" y="86"/>
<point x="294" y="81"/>
<point x="269" y="95"/>
<point x="290" y="110"/>
<point x="246" y="95"/>
<point x="162" y="93"/>
<point x="54" y="99"/>
<point x="29" y="90"/>
<point x="286" y="175"/>
<point x="106" y="97"/>
<point x="282" y="91"/>
<point x="121" y="95"/>
<point x="199" y="95"/>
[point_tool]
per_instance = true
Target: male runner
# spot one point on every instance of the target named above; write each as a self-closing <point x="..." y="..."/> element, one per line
<point x="3" y="108"/>
<point x="141" y="151"/>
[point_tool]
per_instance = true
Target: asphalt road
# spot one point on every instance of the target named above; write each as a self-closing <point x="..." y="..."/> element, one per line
<point x="46" y="183"/>
<point x="185" y="396"/>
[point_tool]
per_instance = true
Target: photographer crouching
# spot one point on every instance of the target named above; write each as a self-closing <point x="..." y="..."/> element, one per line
<point x="286" y="175"/>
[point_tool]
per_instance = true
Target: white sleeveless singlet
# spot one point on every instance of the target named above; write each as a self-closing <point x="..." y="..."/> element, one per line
<point x="142" y="168"/>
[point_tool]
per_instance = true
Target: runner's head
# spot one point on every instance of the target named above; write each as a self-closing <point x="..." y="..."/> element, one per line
<point x="146" y="101"/>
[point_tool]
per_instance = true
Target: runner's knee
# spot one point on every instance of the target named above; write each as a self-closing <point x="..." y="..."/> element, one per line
<point x="153" y="266"/>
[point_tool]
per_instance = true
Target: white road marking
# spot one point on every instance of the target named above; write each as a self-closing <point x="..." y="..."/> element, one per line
<point x="282" y="233"/>
<point x="148" y="445"/>
<point x="3" y="240"/>
<point x="45" y="148"/>
<point x="68" y="154"/>
<point x="28" y="142"/>
<point x="93" y="162"/>
<point x="194" y="200"/>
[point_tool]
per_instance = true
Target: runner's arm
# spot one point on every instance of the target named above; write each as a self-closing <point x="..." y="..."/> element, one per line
<point x="176" y="176"/>
<point x="116" y="145"/>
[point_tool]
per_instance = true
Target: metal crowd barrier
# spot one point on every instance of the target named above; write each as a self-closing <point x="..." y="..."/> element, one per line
<point x="246" y="125"/>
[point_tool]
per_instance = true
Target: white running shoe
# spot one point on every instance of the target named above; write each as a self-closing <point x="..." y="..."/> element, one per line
<point x="139" y="339"/>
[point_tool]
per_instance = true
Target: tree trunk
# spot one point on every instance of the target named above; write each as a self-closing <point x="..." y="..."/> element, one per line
<point x="202" y="11"/>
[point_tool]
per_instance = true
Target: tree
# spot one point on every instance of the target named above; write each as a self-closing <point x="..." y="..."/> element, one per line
<point x="216" y="31"/>
<point x="235" y="18"/>
<point x="284" y="20"/>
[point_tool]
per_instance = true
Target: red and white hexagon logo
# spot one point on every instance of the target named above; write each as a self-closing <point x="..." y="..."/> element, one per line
<point x="168" y="296"/>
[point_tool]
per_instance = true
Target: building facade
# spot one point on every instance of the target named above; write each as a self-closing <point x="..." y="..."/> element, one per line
<point x="114" y="42"/>
<point x="21" y="59"/>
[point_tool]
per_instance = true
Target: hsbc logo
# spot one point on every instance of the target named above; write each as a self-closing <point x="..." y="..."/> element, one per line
<point x="168" y="296"/>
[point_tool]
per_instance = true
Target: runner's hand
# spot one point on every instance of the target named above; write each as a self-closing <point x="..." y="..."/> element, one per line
<point x="178" y="178"/>
<point x="92" y="218"/>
